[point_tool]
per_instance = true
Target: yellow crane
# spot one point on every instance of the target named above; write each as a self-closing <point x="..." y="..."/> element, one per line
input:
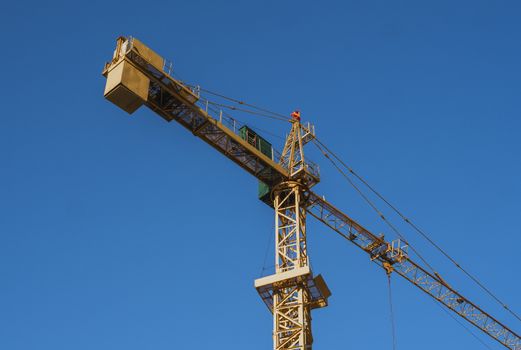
<point x="138" y="76"/>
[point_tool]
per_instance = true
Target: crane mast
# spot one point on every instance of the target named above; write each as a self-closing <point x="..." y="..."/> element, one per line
<point x="138" y="76"/>
<point x="292" y="292"/>
<point x="291" y="297"/>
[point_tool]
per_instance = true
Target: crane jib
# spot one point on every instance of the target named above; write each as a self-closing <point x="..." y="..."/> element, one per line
<point x="412" y="272"/>
<point x="137" y="76"/>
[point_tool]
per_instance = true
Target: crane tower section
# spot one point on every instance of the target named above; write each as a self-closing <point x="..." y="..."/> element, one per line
<point x="292" y="292"/>
<point x="138" y="76"/>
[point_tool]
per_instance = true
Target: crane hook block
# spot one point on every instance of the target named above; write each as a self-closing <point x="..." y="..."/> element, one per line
<point x="389" y="268"/>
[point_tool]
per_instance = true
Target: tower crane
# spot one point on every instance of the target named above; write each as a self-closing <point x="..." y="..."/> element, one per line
<point x="137" y="76"/>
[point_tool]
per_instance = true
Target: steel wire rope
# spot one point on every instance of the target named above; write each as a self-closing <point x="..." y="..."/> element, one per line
<point x="380" y="196"/>
<point x="241" y="102"/>
<point x="373" y="206"/>
<point x="371" y="188"/>
<point x="461" y="324"/>
<point x="266" y="252"/>
<point x="267" y="113"/>
<point x="391" y="310"/>
<point x="233" y="108"/>
<point x="421" y="232"/>
<point x="243" y="122"/>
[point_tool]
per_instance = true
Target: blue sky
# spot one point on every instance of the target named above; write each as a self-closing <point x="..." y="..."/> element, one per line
<point x="121" y="232"/>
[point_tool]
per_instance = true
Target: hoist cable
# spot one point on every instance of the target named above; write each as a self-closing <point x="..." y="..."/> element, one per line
<point x="264" y="132"/>
<point x="391" y="311"/>
<point x="242" y="122"/>
<point x="233" y="108"/>
<point x="374" y="191"/>
<point x="239" y="102"/>
<point x="244" y="103"/>
<point x="266" y="252"/>
<point x="418" y="230"/>
<point x="372" y="205"/>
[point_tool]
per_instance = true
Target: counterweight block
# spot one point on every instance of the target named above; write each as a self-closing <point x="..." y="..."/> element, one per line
<point x="126" y="87"/>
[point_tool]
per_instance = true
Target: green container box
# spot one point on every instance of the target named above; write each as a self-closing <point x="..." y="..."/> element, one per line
<point x="265" y="147"/>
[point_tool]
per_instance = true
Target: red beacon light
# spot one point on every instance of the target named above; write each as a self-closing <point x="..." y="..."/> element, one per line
<point x="295" y="115"/>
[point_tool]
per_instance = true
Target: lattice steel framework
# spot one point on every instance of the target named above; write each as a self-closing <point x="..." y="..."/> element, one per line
<point x="290" y="220"/>
<point x="291" y="297"/>
<point x="169" y="98"/>
<point x="293" y="151"/>
<point x="393" y="260"/>
<point x="291" y="301"/>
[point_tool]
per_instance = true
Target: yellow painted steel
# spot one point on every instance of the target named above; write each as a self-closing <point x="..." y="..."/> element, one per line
<point x="136" y="75"/>
<point x="126" y="86"/>
<point x="148" y="54"/>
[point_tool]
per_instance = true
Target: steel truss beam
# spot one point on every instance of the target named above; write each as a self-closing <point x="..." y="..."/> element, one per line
<point x="381" y="253"/>
<point x="167" y="98"/>
<point x="291" y="301"/>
